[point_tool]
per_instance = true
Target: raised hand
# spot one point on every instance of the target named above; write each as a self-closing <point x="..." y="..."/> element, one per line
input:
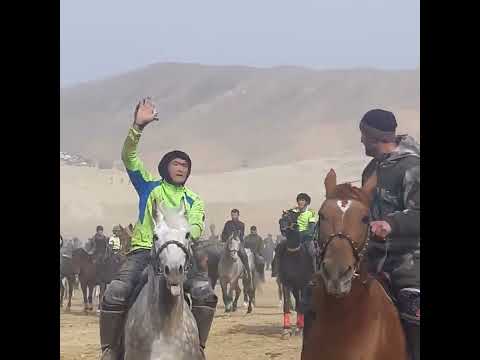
<point x="145" y="113"/>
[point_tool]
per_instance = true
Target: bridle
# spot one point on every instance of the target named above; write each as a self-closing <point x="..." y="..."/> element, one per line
<point x="156" y="259"/>
<point x="358" y="251"/>
<point x="227" y="249"/>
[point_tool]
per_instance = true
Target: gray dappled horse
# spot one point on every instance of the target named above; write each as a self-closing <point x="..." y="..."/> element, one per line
<point x="230" y="270"/>
<point x="160" y="324"/>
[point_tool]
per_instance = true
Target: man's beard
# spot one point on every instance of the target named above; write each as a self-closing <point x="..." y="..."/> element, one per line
<point x="370" y="150"/>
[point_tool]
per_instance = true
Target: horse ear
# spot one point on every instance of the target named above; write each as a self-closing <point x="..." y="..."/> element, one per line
<point x="370" y="185"/>
<point x="330" y="183"/>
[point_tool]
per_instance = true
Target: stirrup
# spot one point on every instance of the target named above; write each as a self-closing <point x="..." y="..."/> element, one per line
<point x="108" y="354"/>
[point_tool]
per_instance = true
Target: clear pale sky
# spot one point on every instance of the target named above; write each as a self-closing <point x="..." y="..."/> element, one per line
<point x="107" y="37"/>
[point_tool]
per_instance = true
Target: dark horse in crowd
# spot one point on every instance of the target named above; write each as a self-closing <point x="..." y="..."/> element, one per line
<point x="295" y="271"/>
<point x="94" y="271"/>
<point x="67" y="270"/>
<point x="213" y="249"/>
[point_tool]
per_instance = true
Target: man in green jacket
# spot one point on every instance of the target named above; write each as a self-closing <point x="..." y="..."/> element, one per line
<point x="174" y="170"/>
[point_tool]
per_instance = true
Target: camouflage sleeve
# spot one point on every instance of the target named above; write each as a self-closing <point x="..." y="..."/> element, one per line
<point x="407" y="222"/>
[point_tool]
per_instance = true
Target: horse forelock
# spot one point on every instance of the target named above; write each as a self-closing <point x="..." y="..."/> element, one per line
<point x="348" y="192"/>
<point x="173" y="226"/>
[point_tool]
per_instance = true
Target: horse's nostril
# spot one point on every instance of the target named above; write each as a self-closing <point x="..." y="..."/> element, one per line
<point x="180" y="269"/>
<point x="167" y="270"/>
<point x="348" y="272"/>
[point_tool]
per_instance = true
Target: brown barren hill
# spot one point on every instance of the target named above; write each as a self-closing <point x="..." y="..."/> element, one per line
<point x="257" y="137"/>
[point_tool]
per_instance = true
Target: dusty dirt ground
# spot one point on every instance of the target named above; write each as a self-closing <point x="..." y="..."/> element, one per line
<point x="233" y="336"/>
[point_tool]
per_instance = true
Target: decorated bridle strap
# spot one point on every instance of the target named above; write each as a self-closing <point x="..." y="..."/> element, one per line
<point x="173" y="242"/>
<point x="182" y="246"/>
<point x="357" y="253"/>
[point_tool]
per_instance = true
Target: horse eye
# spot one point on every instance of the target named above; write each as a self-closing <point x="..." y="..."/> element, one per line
<point x="187" y="236"/>
<point x="366" y="220"/>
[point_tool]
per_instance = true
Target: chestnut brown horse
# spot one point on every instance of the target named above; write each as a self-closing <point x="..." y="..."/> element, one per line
<point x="353" y="317"/>
<point x="125" y="235"/>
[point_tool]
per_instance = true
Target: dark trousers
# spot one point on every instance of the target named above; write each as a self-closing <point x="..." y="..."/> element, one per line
<point x="128" y="277"/>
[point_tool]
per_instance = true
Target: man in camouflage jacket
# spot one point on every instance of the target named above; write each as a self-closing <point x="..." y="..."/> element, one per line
<point x="394" y="246"/>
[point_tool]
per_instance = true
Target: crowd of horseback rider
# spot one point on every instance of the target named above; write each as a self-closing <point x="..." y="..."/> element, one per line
<point x="394" y="246"/>
<point x="99" y="246"/>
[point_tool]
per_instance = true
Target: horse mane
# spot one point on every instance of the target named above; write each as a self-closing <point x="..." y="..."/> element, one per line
<point x="348" y="192"/>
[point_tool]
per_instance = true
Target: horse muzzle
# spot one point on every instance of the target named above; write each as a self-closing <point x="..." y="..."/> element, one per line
<point x="338" y="289"/>
<point x="175" y="277"/>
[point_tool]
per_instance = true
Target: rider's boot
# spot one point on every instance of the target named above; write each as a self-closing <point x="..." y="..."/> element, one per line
<point x="276" y="259"/>
<point x="306" y="308"/>
<point x="260" y="266"/>
<point x="111" y="325"/>
<point x="412" y="334"/>
<point x="408" y="302"/>
<point x="203" y="312"/>
<point x="244" y="258"/>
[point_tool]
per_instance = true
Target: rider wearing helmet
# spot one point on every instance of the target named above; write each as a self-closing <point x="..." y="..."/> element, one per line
<point x="174" y="169"/>
<point x="306" y="220"/>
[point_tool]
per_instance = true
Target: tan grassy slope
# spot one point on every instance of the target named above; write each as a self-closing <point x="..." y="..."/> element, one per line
<point x="90" y="196"/>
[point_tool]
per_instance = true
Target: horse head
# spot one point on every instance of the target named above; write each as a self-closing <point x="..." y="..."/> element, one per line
<point x="171" y="250"/>
<point x="288" y="221"/>
<point x="232" y="247"/>
<point x="289" y="229"/>
<point x="343" y="232"/>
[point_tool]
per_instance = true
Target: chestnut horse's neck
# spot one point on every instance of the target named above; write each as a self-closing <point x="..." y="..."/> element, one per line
<point x="360" y="295"/>
<point x="362" y="325"/>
